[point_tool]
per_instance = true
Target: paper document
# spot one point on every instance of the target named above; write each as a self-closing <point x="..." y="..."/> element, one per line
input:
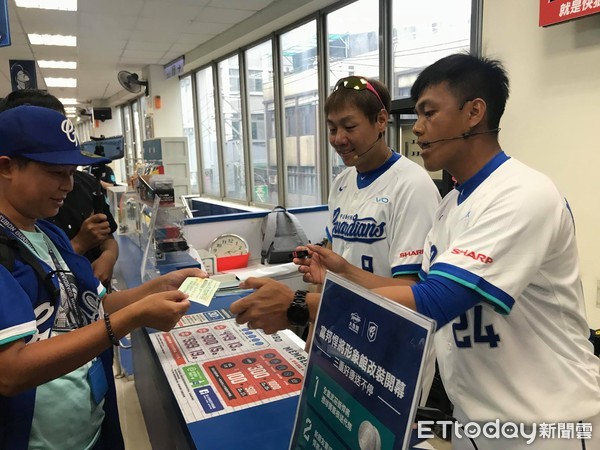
<point x="200" y="290"/>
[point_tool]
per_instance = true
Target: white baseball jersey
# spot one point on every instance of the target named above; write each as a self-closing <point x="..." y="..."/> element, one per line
<point x="523" y="355"/>
<point x="378" y="220"/>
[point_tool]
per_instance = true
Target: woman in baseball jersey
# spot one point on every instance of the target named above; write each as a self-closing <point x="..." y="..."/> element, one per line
<point x="500" y="275"/>
<point x="381" y="207"/>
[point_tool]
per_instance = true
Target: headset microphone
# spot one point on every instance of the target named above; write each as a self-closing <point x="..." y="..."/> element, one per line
<point x="369" y="149"/>
<point x="427" y="144"/>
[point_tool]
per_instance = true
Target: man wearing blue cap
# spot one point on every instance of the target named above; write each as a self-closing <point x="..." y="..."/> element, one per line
<point x="56" y="320"/>
<point x="89" y="229"/>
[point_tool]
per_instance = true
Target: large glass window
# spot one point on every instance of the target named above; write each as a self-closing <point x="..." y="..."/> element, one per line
<point x="238" y="155"/>
<point x="353" y="46"/>
<point x="208" y="132"/>
<point x="231" y="126"/>
<point x="187" y="112"/>
<point x="260" y="100"/>
<point x="424" y="32"/>
<point x="302" y="169"/>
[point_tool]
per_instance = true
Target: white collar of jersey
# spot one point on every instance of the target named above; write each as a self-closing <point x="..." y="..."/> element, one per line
<point x="469" y="186"/>
<point x="364" y="179"/>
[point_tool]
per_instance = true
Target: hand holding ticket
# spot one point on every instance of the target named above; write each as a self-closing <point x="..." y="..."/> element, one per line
<point x="199" y="290"/>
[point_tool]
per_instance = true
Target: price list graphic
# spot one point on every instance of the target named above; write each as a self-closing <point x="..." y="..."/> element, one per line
<point x="215" y="366"/>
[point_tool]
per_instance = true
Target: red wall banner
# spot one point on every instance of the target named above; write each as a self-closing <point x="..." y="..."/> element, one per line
<point x="556" y="11"/>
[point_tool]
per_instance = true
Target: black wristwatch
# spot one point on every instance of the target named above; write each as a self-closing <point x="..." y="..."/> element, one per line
<point x="297" y="313"/>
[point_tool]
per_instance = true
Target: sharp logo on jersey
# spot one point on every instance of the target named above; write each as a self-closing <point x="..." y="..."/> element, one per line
<point x="411" y="253"/>
<point x="352" y="228"/>
<point x="471" y="254"/>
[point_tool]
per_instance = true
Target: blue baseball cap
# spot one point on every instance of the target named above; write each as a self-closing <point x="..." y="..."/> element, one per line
<point x="42" y="135"/>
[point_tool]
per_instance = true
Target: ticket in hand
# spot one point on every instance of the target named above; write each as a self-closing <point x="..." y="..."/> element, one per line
<point x="199" y="290"/>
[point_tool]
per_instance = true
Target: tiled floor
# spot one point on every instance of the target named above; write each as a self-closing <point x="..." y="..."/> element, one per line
<point x="132" y="420"/>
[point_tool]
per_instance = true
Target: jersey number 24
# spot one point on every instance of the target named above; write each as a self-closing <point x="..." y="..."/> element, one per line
<point x="481" y="334"/>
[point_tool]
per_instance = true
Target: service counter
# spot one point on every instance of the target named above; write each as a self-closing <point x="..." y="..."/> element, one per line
<point x="210" y="384"/>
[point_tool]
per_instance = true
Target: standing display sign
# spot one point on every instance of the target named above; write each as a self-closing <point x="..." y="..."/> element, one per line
<point x="556" y="11"/>
<point x="4" y="27"/>
<point x="363" y="379"/>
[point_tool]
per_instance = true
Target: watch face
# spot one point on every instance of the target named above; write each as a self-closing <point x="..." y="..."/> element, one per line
<point x="228" y="245"/>
<point x="297" y="313"/>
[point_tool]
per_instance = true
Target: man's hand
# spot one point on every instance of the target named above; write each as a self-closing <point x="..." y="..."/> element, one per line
<point x="161" y="311"/>
<point x="266" y="308"/>
<point x="103" y="268"/>
<point x="311" y="268"/>
<point x="94" y="230"/>
<point x="172" y="280"/>
<point x="321" y="259"/>
<point x="104" y="265"/>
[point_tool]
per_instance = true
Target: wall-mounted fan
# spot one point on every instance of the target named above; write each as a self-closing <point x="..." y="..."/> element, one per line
<point x="85" y="111"/>
<point x="131" y="82"/>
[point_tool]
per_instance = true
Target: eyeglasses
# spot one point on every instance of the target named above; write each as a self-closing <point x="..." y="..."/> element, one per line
<point x="358" y="84"/>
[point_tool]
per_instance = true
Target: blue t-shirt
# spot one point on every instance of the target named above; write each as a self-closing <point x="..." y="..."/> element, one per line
<point x="27" y="310"/>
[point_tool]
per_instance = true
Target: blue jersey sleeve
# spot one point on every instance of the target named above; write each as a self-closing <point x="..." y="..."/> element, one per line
<point x="432" y="298"/>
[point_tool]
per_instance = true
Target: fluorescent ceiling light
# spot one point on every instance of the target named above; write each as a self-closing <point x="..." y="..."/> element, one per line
<point x="57" y="64"/>
<point x="61" y="82"/>
<point x="52" y="39"/>
<point x="61" y="5"/>
<point x="69" y="101"/>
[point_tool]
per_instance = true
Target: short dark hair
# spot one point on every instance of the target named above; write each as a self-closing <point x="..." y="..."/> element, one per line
<point x="468" y="77"/>
<point x="364" y="100"/>
<point x="34" y="97"/>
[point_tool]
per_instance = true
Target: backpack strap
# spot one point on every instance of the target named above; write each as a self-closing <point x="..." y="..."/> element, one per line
<point x="10" y="247"/>
<point x="299" y="230"/>
<point x="270" y="230"/>
<point x="7" y="252"/>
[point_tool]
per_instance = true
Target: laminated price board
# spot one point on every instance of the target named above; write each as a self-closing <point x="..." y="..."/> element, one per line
<point x="216" y="367"/>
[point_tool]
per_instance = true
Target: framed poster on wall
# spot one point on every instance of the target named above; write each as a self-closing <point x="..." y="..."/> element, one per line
<point x="557" y="11"/>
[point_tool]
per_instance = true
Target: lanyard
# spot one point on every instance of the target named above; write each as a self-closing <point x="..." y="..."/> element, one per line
<point x="16" y="232"/>
<point x="64" y="281"/>
<point x="58" y="269"/>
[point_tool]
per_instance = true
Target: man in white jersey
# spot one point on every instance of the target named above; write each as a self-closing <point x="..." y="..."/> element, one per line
<point x="381" y="207"/>
<point x="500" y="274"/>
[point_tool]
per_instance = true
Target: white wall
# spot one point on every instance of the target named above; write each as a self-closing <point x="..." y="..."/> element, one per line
<point x="552" y="121"/>
<point x="168" y="121"/>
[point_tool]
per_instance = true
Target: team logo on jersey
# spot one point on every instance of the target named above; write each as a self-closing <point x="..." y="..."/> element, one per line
<point x="352" y="228"/>
<point x="372" y="331"/>
<point x="474" y="255"/>
<point x="411" y="253"/>
<point x="383" y="200"/>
